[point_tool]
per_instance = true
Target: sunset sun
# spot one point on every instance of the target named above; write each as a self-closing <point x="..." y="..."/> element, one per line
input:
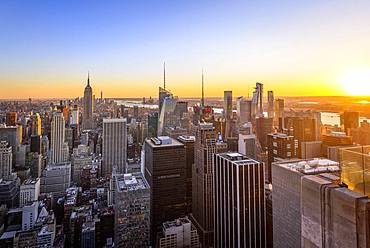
<point x="356" y="82"/>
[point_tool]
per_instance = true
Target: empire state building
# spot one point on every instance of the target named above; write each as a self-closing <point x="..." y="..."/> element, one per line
<point x="87" y="121"/>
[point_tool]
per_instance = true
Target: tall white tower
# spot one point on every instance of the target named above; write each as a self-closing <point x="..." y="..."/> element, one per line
<point x="58" y="147"/>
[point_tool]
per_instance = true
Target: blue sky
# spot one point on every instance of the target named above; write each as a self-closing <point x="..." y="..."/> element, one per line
<point x="52" y="44"/>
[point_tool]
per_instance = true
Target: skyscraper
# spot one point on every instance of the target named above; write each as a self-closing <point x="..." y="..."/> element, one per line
<point x="87" y="121"/>
<point x="206" y="144"/>
<point x="114" y="146"/>
<point x="228" y="104"/>
<point x="132" y="211"/>
<point x="286" y="197"/>
<point x="239" y="209"/>
<point x="36" y="124"/>
<point x="11" y="118"/>
<point x="58" y="147"/>
<point x="247" y="141"/>
<point x="350" y="119"/>
<point x="6" y="159"/>
<point x="270" y="104"/>
<point x="165" y="173"/>
<point x="244" y="110"/>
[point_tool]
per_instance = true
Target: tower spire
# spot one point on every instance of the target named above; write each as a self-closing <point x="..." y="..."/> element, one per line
<point x="88" y="78"/>
<point x="164" y="75"/>
<point x="202" y="89"/>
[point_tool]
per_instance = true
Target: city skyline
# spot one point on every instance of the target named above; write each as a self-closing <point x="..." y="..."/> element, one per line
<point x="49" y="47"/>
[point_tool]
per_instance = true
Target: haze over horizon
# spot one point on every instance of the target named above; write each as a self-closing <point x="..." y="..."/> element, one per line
<point x="305" y="48"/>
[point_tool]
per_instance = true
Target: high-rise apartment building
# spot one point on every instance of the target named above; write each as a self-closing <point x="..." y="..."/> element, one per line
<point x="270" y="104"/>
<point x="58" y="146"/>
<point x="178" y="233"/>
<point x="279" y="106"/>
<point x="132" y="211"/>
<point x="206" y="145"/>
<point x="88" y="105"/>
<point x="6" y="159"/>
<point x="114" y="146"/>
<point x="9" y="192"/>
<point x="286" y="197"/>
<point x="165" y="171"/>
<point x="239" y="209"/>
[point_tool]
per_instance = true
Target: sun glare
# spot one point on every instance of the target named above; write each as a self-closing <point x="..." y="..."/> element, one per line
<point x="357" y="82"/>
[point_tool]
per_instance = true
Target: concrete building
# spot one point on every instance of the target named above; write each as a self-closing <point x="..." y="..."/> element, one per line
<point x="264" y="126"/>
<point x="279" y="106"/>
<point x="9" y="192"/>
<point x="165" y="171"/>
<point x="114" y="146"/>
<point x="88" y="107"/>
<point x="239" y="210"/>
<point x="81" y="157"/>
<point x="56" y="178"/>
<point x="88" y="235"/>
<point x="333" y="216"/>
<point x="206" y="145"/>
<point x="244" y="110"/>
<point x="29" y="191"/>
<point x="286" y="197"/>
<point x="311" y="149"/>
<point x="280" y="146"/>
<point x="11" y="119"/>
<point x="178" y="233"/>
<point x="6" y="159"/>
<point x="58" y="147"/>
<point x="247" y="141"/>
<point x="132" y="211"/>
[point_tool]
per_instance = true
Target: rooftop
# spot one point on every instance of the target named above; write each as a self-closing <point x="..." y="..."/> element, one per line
<point x="132" y="182"/>
<point x="186" y="138"/>
<point x="163" y="141"/>
<point x="238" y="158"/>
<point x="311" y="166"/>
<point x="115" y="120"/>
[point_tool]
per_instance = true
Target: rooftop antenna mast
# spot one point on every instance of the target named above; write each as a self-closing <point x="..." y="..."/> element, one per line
<point x="164" y="75"/>
<point x="202" y="89"/>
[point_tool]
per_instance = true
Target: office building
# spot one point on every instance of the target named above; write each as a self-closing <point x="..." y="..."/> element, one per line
<point x="9" y="192"/>
<point x="88" y="235"/>
<point x="58" y="147"/>
<point x="6" y="159"/>
<point x="36" y="124"/>
<point x="114" y="146"/>
<point x="247" y="141"/>
<point x="132" y="211"/>
<point x="286" y="197"/>
<point x="264" y="126"/>
<point x="152" y="124"/>
<point x="239" y="210"/>
<point x="270" y="104"/>
<point x="178" y="233"/>
<point x="310" y="149"/>
<point x="206" y="145"/>
<point x="81" y="157"/>
<point x="29" y="191"/>
<point x="280" y="147"/>
<point x="279" y="106"/>
<point x="74" y="118"/>
<point x="335" y="139"/>
<point x="165" y="171"/>
<point x="56" y="178"/>
<point x="88" y="107"/>
<point x="244" y="110"/>
<point x="188" y="142"/>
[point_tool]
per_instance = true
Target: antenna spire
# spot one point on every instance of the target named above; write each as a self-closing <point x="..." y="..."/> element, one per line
<point x="164" y="75"/>
<point x="202" y="88"/>
<point x="88" y="78"/>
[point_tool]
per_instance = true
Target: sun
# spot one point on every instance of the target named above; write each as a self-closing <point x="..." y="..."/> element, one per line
<point x="356" y="82"/>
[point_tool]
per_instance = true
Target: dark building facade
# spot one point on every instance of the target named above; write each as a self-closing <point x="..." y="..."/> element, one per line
<point x="165" y="172"/>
